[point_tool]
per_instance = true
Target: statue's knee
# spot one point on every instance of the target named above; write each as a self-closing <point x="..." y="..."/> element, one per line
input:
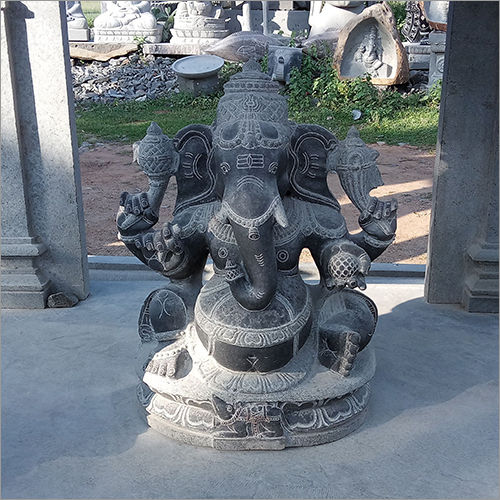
<point x="163" y="316"/>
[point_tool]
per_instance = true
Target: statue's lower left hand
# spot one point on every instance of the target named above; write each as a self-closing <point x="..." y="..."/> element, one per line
<point x="135" y="214"/>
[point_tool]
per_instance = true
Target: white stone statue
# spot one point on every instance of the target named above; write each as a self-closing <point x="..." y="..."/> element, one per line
<point x="198" y="23"/>
<point x="78" y="27"/>
<point x="125" y="21"/>
<point x="332" y="16"/>
<point x="74" y="15"/>
<point x="131" y="14"/>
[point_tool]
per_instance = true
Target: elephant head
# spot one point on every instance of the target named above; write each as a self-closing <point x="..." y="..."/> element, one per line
<point x="250" y="151"/>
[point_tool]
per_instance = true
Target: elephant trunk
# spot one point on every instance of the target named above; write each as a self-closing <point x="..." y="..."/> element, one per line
<point x="254" y="286"/>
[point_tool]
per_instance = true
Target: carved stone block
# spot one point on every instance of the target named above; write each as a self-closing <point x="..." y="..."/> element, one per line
<point x="241" y="46"/>
<point x="418" y="55"/>
<point x="281" y="60"/>
<point x="437" y="41"/>
<point x="370" y="44"/>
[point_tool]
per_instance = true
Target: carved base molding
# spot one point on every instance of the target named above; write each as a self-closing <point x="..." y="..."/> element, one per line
<point x="251" y="425"/>
<point x="128" y="35"/>
<point x="481" y="282"/>
<point x="187" y="396"/>
<point x="202" y="34"/>
<point x="23" y="285"/>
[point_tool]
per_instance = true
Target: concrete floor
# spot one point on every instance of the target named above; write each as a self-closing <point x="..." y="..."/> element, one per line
<point x="71" y="428"/>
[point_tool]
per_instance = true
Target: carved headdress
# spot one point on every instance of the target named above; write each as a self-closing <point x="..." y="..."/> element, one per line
<point x="252" y="113"/>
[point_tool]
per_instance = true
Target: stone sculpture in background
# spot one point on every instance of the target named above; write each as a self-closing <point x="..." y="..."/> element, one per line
<point x="370" y="53"/>
<point x="255" y="358"/>
<point x="416" y="31"/>
<point x="332" y="16"/>
<point x="370" y="44"/>
<point x="198" y="23"/>
<point x="126" y="22"/>
<point x="241" y="46"/>
<point x="436" y="14"/>
<point x="281" y="60"/>
<point x="78" y="27"/>
<point x="416" y="27"/>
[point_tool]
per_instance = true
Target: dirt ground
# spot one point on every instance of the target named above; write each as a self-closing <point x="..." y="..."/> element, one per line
<point x="107" y="170"/>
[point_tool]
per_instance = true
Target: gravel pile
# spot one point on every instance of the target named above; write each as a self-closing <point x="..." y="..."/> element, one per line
<point x="125" y="78"/>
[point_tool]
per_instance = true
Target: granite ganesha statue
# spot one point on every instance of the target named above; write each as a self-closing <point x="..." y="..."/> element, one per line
<point x="255" y="341"/>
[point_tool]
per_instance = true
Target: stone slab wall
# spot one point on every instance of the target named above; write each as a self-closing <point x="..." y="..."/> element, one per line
<point x="47" y="202"/>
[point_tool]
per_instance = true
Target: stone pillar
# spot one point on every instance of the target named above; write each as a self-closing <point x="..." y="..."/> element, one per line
<point x="265" y="14"/>
<point x="43" y="235"/>
<point x="463" y="245"/>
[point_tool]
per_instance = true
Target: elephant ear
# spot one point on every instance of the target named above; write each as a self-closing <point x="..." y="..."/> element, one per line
<point x="195" y="176"/>
<point x="312" y="150"/>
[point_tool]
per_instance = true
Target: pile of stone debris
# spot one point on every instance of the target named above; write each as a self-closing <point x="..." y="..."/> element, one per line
<point x="134" y="77"/>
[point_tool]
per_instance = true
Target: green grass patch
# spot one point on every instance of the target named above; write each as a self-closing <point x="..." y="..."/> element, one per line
<point x="91" y="10"/>
<point x="417" y="127"/>
<point x="90" y="7"/>
<point x="128" y="121"/>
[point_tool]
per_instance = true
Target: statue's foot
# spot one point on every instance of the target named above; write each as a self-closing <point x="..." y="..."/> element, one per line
<point x="77" y="22"/>
<point x="174" y="361"/>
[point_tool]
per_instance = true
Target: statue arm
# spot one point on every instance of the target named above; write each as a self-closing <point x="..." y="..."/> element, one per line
<point x="159" y="161"/>
<point x="378" y="223"/>
<point x="140" y="212"/>
<point x="167" y="252"/>
<point x="73" y="8"/>
<point x="358" y="173"/>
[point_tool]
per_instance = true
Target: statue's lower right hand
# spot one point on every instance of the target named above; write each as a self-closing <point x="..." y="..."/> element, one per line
<point x="166" y="245"/>
<point x="135" y="214"/>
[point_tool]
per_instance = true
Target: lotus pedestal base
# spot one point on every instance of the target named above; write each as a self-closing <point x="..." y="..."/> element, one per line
<point x="189" y="397"/>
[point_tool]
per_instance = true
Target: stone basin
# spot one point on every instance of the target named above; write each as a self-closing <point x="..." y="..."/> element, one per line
<point x="196" y="67"/>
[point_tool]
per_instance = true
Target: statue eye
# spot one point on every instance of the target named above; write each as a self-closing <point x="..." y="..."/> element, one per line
<point x="230" y="131"/>
<point x="268" y="130"/>
<point x="225" y="167"/>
